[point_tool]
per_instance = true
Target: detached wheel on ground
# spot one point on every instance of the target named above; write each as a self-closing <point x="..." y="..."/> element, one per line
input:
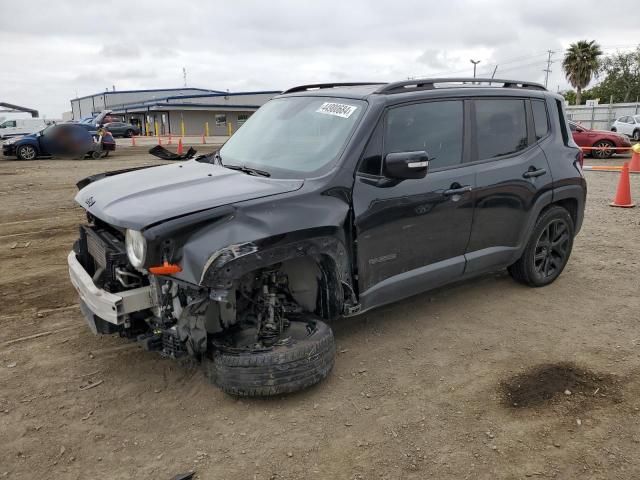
<point x="304" y="356"/>
<point x="603" y="149"/>
<point x="548" y="249"/>
<point x="26" y="152"/>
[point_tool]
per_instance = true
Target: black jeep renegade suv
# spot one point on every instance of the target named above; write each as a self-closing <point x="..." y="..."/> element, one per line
<point x="329" y="201"/>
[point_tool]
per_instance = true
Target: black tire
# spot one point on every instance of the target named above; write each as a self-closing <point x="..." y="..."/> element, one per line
<point x="96" y="154"/>
<point x="128" y="133"/>
<point x="614" y="129"/>
<point x="636" y="135"/>
<point x="540" y="263"/>
<point x="304" y="361"/>
<point x="26" y="152"/>
<point x="607" y="149"/>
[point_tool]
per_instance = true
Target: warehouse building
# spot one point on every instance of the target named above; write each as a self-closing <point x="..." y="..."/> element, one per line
<point x="175" y="111"/>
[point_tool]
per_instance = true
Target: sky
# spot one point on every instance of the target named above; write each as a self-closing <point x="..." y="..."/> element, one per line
<point x="53" y="51"/>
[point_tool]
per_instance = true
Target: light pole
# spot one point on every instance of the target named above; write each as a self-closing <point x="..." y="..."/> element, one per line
<point x="475" y="62"/>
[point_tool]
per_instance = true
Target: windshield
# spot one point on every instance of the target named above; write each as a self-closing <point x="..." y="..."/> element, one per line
<point x="294" y="136"/>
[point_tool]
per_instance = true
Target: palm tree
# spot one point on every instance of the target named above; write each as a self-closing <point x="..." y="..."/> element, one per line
<point x="580" y="64"/>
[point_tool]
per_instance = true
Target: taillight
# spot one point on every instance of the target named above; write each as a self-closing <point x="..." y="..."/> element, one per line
<point x="580" y="158"/>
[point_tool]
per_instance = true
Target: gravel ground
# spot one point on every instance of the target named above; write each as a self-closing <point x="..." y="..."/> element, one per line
<point x="484" y="379"/>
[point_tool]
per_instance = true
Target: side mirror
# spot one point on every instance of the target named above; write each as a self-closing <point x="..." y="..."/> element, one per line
<point x="406" y="165"/>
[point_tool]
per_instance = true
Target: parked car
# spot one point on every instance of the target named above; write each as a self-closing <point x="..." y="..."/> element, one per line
<point x="64" y="139"/>
<point x="19" y="127"/>
<point x="600" y="143"/>
<point x="121" y="129"/>
<point x="331" y="200"/>
<point x="628" y="125"/>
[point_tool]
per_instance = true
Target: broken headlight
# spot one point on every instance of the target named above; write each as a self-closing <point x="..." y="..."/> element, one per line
<point x="136" y="247"/>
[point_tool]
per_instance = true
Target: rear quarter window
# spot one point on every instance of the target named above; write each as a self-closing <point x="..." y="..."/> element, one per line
<point x="563" y="123"/>
<point x="540" y="118"/>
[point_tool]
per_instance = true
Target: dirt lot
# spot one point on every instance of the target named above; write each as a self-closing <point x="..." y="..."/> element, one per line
<point x="486" y="379"/>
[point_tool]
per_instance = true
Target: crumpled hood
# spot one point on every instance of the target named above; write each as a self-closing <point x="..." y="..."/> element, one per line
<point x="143" y="197"/>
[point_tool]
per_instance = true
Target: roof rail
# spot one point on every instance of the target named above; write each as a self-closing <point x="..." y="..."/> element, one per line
<point x="429" y="84"/>
<point x="317" y="86"/>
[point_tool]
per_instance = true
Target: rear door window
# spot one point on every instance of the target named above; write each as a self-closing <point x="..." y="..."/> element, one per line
<point x="435" y="127"/>
<point x="501" y="126"/>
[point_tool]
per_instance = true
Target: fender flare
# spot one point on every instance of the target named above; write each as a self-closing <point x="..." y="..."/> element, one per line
<point x="572" y="192"/>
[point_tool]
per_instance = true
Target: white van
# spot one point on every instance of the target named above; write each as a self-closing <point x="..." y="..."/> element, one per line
<point x="22" y="126"/>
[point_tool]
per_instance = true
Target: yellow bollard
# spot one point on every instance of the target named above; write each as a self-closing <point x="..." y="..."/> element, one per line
<point x="229" y="129"/>
<point x="206" y="128"/>
<point x="148" y="132"/>
<point x="182" y="128"/>
<point x="156" y="126"/>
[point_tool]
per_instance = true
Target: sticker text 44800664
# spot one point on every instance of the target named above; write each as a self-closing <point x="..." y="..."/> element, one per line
<point x="337" y="109"/>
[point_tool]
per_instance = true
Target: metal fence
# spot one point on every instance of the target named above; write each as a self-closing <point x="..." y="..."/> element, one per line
<point x="600" y="117"/>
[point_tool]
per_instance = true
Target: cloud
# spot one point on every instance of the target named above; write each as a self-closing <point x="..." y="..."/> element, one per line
<point x="121" y="50"/>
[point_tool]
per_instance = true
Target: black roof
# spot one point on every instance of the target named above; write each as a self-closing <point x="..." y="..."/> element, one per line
<point x="365" y="89"/>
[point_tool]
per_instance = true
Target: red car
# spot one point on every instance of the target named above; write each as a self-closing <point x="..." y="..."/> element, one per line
<point x="605" y="142"/>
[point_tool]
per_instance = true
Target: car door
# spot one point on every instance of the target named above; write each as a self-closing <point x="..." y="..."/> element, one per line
<point x="412" y="234"/>
<point x="624" y="126"/>
<point x="511" y="173"/>
<point x="116" y="128"/>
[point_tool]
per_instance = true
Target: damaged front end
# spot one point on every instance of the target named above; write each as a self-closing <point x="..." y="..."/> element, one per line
<point x="162" y="313"/>
<point x="246" y="298"/>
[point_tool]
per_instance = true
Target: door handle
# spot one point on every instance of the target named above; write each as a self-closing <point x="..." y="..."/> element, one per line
<point x="533" y="172"/>
<point x="457" y="190"/>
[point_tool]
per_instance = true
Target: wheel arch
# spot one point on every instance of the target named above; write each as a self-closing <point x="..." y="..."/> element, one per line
<point x="326" y="252"/>
<point x="35" y="146"/>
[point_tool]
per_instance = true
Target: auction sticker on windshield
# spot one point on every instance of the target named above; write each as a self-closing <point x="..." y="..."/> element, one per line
<point x="337" y="109"/>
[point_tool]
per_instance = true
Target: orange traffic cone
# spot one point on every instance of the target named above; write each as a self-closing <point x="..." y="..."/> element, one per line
<point x="623" y="194"/>
<point x="203" y="140"/>
<point x="634" y="166"/>
<point x="133" y="140"/>
<point x="180" y="151"/>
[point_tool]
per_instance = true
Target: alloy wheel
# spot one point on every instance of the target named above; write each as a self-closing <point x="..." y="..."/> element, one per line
<point x="551" y="249"/>
<point x="602" y="150"/>
<point x="27" y="152"/>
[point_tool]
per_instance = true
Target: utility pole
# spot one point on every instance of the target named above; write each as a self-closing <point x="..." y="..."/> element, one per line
<point x="475" y="62"/>
<point x="548" y="69"/>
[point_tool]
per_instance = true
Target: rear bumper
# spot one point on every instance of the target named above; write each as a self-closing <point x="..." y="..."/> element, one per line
<point x="111" y="307"/>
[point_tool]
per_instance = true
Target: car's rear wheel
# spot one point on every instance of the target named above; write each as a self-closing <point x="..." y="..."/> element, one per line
<point x="614" y="129"/>
<point x="548" y="249"/>
<point x="304" y="355"/>
<point x="128" y="133"/>
<point x="602" y="149"/>
<point x="636" y="135"/>
<point x="26" y="152"/>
